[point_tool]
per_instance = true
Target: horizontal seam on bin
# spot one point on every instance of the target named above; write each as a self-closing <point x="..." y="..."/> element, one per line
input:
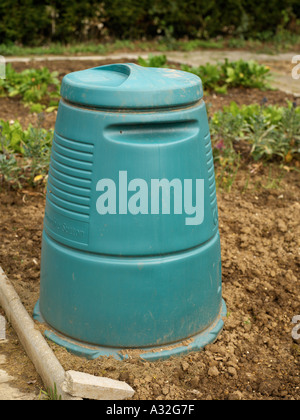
<point x="132" y="110"/>
<point x="118" y="256"/>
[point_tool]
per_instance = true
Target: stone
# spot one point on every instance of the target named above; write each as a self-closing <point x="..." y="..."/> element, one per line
<point x="282" y="226"/>
<point x="235" y="396"/>
<point x="91" y="387"/>
<point x="232" y="371"/>
<point x="213" y="371"/>
<point x="185" y="366"/>
<point x="2" y="328"/>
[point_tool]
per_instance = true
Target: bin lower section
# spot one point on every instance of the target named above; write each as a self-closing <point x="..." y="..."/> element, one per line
<point x="195" y="343"/>
<point x="120" y="302"/>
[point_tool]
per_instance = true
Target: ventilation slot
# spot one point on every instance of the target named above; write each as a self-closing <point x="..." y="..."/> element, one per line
<point x="70" y="174"/>
<point x="210" y="170"/>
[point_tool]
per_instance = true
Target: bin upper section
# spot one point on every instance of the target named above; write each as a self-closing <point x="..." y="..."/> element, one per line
<point x="129" y="86"/>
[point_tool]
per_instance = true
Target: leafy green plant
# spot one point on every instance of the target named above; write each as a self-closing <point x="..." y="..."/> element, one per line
<point x="218" y="77"/>
<point x="36" y="153"/>
<point x="36" y="87"/>
<point x="9" y="169"/>
<point x="12" y="136"/>
<point x="226" y="130"/>
<point x="253" y="132"/>
<point x="24" y="154"/>
<point x="153" y="61"/>
<point x="270" y="131"/>
<point x="210" y="75"/>
<point x="245" y="73"/>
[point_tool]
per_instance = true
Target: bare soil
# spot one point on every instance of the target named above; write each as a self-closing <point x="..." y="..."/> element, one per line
<point x="255" y="357"/>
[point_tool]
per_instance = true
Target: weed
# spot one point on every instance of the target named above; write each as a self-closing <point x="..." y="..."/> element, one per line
<point x="51" y="394"/>
<point x="273" y="183"/>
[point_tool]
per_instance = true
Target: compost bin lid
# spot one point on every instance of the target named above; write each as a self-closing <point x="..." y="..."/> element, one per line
<point x="129" y="86"/>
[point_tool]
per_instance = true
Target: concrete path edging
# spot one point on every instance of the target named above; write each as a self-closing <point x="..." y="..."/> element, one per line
<point x="193" y="58"/>
<point x="36" y="347"/>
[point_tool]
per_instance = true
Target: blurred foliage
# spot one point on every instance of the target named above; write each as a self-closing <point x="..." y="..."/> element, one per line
<point x="32" y="22"/>
<point x="218" y="77"/>
<point x="36" y="87"/>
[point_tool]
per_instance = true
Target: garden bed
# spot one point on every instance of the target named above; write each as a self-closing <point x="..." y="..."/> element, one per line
<point x="255" y="356"/>
<point x="13" y="109"/>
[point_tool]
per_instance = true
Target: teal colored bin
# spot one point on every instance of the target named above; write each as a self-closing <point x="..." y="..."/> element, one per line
<point x="131" y="250"/>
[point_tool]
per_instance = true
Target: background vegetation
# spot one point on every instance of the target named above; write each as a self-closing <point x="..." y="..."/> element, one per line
<point x="264" y="133"/>
<point x="33" y="22"/>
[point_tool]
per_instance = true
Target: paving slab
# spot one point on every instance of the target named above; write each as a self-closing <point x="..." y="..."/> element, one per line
<point x="91" y="387"/>
<point x="8" y="389"/>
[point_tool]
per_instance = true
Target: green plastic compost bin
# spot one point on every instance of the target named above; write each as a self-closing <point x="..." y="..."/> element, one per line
<point x="131" y="249"/>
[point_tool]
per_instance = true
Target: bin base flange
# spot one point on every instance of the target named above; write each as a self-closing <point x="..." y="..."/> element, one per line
<point x="195" y="343"/>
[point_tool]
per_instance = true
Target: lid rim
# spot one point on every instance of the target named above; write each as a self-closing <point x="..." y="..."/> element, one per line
<point x="129" y="86"/>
